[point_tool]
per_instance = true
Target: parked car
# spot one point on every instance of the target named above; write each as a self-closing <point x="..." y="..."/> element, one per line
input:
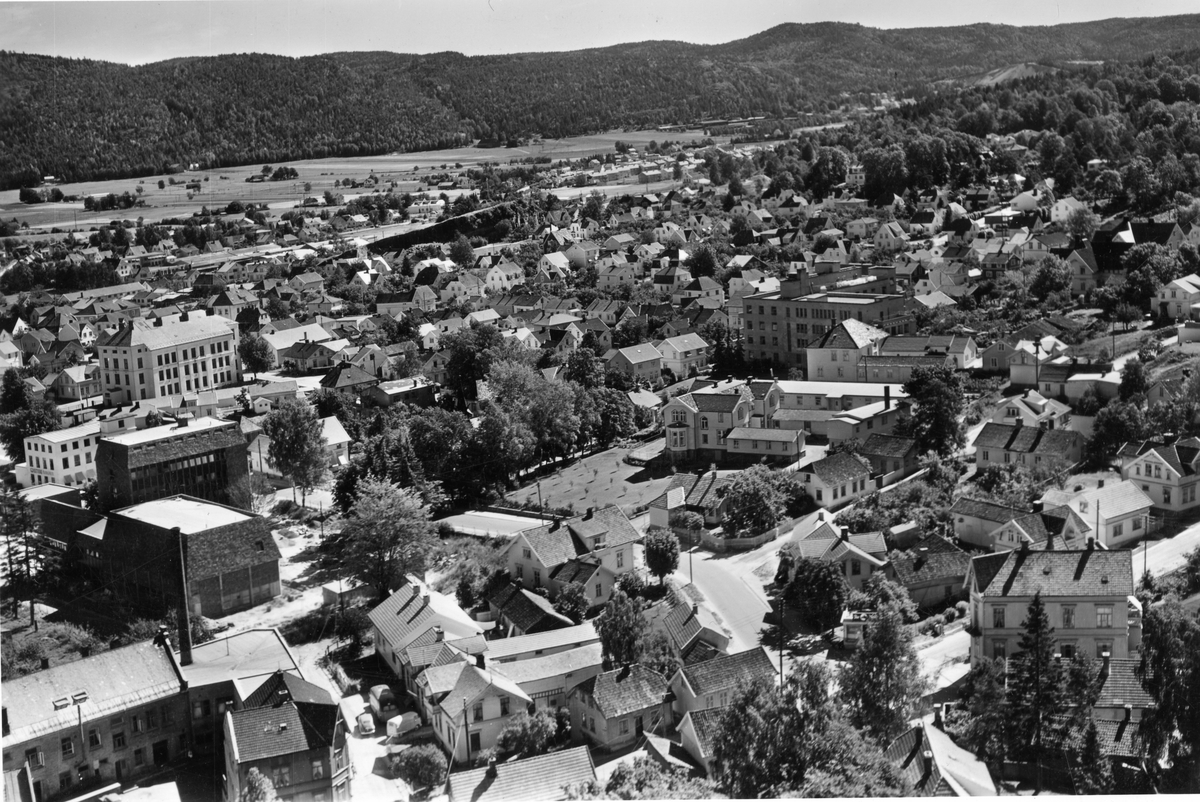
<point x="383" y="702"/>
<point x="366" y="724"/>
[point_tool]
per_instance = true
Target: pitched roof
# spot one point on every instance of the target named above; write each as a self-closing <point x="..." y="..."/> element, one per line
<point x="933" y="558"/>
<point x="887" y="445"/>
<point x="534" y="779"/>
<point x="1085" y="572"/>
<point x="266" y="732"/>
<point x="542" y="667"/>
<point x="838" y="468"/>
<point x="851" y="334"/>
<point x="114" y="680"/>
<point x="727" y="670"/>
<point x="177" y="333"/>
<point x="413" y="608"/>
<point x="1120" y="686"/>
<point x="707" y="724"/>
<point x="626" y="690"/>
<point x="505" y="648"/>
<point x="527" y="610"/>
<point x="557" y="542"/>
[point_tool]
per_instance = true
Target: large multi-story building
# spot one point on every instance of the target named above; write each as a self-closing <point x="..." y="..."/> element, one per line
<point x="1088" y="594"/>
<point x="779" y="326"/>
<point x="64" y="456"/>
<point x="203" y="457"/>
<point x="149" y="360"/>
<point x="110" y="717"/>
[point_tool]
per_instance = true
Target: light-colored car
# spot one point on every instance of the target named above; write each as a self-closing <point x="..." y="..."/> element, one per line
<point x="366" y="724"/>
<point x="383" y="702"/>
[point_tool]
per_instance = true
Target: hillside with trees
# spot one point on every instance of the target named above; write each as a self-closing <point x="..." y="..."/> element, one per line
<point x="86" y="120"/>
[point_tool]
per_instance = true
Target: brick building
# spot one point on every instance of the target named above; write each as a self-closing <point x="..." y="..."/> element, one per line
<point x="202" y="457"/>
<point x="231" y="558"/>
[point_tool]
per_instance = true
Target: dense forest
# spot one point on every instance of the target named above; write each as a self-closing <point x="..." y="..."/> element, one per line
<point x="80" y="119"/>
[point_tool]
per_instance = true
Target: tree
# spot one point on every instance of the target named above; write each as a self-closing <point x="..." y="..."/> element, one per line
<point x="258" y="788"/>
<point x="621" y="628"/>
<point x="421" y="766"/>
<point x="646" y="778"/>
<point x="1117" y="423"/>
<point x="582" y="368"/>
<point x="794" y="741"/>
<point x="572" y="601"/>
<point x="879" y="592"/>
<point x="754" y="501"/>
<point x="388" y="535"/>
<point x="662" y="552"/>
<point x="31" y="561"/>
<point x="1134" y="381"/>
<point x="1169" y="670"/>
<point x="461" y="252"/>
<point x="937" y="396"/>
<point x="819" y="590"/>
<point x="616" y="413"/>
<point x="1052" y="275"/>
<point x="35" y="417"/>
<point x="14" y="393"/>
<point x="986" y="722"/>
<point x="297" y="448"/>
<point x="527" y="735"/>
<point x="1082" y="224"/>
<point x="1091" y="770"/>
<point x="882" y="684"/>
<point x="255" y="353"/>
<point x="1035" y="689"/>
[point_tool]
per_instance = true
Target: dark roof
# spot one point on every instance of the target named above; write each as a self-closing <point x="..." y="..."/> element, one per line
<point x="346" y="374"/>
<point x="727" y="670"/>
<point x="887" y="445"/>
<point x="1028" y="439"/>
<point x="265" y="732"/>
<point x="987" y="510"/>
<point x="924" y="775"/>
<point x="557" y="542"/>
<point x="933" y="558"/>
<point x="626" y="690"/>
<point x="1121" y="686"/>
<point x="283" y="686"/>
<point x="528" y="611"/>
<point x="707" y="724"/>
<point x="574" y="571"/>
<point x="534" y="779"/>
<point x="1079" y="572"/>
<point x="838" y="468"/>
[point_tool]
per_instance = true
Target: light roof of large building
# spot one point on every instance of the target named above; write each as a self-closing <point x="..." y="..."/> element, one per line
<point x="253" y="653"/>
<point x="71" y="433"/>
<point x="153" y="433"/>
<point x="189" y="514"/>
<point x="168" y="335"/>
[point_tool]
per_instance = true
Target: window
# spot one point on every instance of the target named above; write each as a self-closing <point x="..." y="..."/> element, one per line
<point x="1067" y="650"/>
<point x="504" y="701"/>
<point x="1104" y="615"/>
<point x="999" y="650"/>
<point x="139" y="759"/>
<point x="138" y="726"/>
<point x="64" y="779"/>
<point x="1103" y="647"/>
<point x="620" y="559"/>
<point x="520" y="571"/>
<point x="1068" y="616"/>
<point x="94" y="741"/>
<point x="527" y="553"/>
<point x="200" y="709"/>
<point x="282" y="775"/>
<point x="318" y="768"/>
<point x="537" y="578"/>
<point x="475" y="745"/>
<point x="68" y="747"/>
<point x="1117" y="530"/>
<point x="599" y="590"/>
<point x="477" y="712"/>
<point x="624" y="726"/>
<point x="118" y="740"/>
<point x="34" y="758"/>
<point x="1137" y="522"/>
<point x="152" y="719"/>
<point x="855" y="568"/>
<point x="998" y="617"/>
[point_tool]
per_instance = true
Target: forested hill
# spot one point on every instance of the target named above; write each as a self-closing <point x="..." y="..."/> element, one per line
<point x="81" y="119"/>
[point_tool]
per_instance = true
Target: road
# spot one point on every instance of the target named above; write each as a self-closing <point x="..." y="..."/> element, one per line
<point x="732" y="591"/>
<point x="1163" y="556"/>
<point x="941" y="661"/>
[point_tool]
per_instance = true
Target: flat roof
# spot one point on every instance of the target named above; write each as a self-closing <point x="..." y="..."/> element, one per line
<point x="191" y="515"/>
<point x="253" y="653"/>
<point x="70" y="433"/>
<point x="150" y="435"/>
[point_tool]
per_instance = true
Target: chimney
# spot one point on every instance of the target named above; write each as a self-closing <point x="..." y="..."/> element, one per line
<point x="587" y="516"/>
<point x="1106" y="656"/>
<point x="183" y="317"/>
<point x="820" y="515"/>
<point x="158" y="322"/>
<point x="45" y="663"/>
<point x="85" y="651"/>
<point x="480" y="661"/>
<point x="1099" y="484"/>
<point x="695" y="609"/>
<point x="937" y="716"/>
<point x="1128" y="714"/>
<point x="183" y="420"/>
<point x="491" y="767"/>
<point x="438" y="633"/>
<point x="4" y="711"/>
<point x="1091" y="543"/>
<point x="181" y="613"/>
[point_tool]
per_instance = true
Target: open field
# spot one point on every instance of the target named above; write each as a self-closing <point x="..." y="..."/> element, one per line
<point x="221" y="186"/>
<point x="597" y="481"/>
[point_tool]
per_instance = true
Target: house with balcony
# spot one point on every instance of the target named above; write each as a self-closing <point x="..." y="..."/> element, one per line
<point x="697" y="424"/>
<point x="1088" y="595"/>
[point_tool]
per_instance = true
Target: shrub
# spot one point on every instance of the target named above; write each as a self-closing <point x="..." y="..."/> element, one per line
<point x="420" y="766"/>
<point x="632" y="584"/>
<point x="949" y="615"/>
<point x="962" y="608"/>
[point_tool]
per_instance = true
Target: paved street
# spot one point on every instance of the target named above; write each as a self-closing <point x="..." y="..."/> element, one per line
<point x="1163" y="556"/>
<point x="733" y="592"/>
<point x="941" y="661"/>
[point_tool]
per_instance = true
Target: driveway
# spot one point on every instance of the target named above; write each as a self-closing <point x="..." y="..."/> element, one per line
<point x="941" y="661"/>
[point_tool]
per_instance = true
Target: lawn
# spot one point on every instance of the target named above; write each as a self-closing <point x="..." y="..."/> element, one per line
<point x="597" y="481"/>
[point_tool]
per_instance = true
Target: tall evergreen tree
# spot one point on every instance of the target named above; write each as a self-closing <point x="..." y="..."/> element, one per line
<point x="1035" y="688"/>
<point x="882" y="683"/>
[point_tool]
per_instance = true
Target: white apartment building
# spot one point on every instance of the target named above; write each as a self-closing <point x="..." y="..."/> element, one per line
<point x="63" y="457"/>
<point x="141" y="361"/>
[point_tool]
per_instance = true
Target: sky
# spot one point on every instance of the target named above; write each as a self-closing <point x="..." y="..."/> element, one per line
<point x="141" y="31"/>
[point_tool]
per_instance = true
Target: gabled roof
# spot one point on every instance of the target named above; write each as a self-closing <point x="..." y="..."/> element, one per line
<point x="888" y="445"/>
<point x="1082" y="572"/>
<point x="266" y="732"/>
<point x="838" y="468"/>
<point x="707" y="725"/>
<point x="414" y="608"/>
<point x="933" y="558"/>
<point x="851" y="334"/>
<point x="725" y="671"/>
<point x="626" y="690"/>
<point x="534" y="779"/>
<point x="527" y="610"/>
<point x="555" y="543"/>
<point x="1120" y="685"/>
